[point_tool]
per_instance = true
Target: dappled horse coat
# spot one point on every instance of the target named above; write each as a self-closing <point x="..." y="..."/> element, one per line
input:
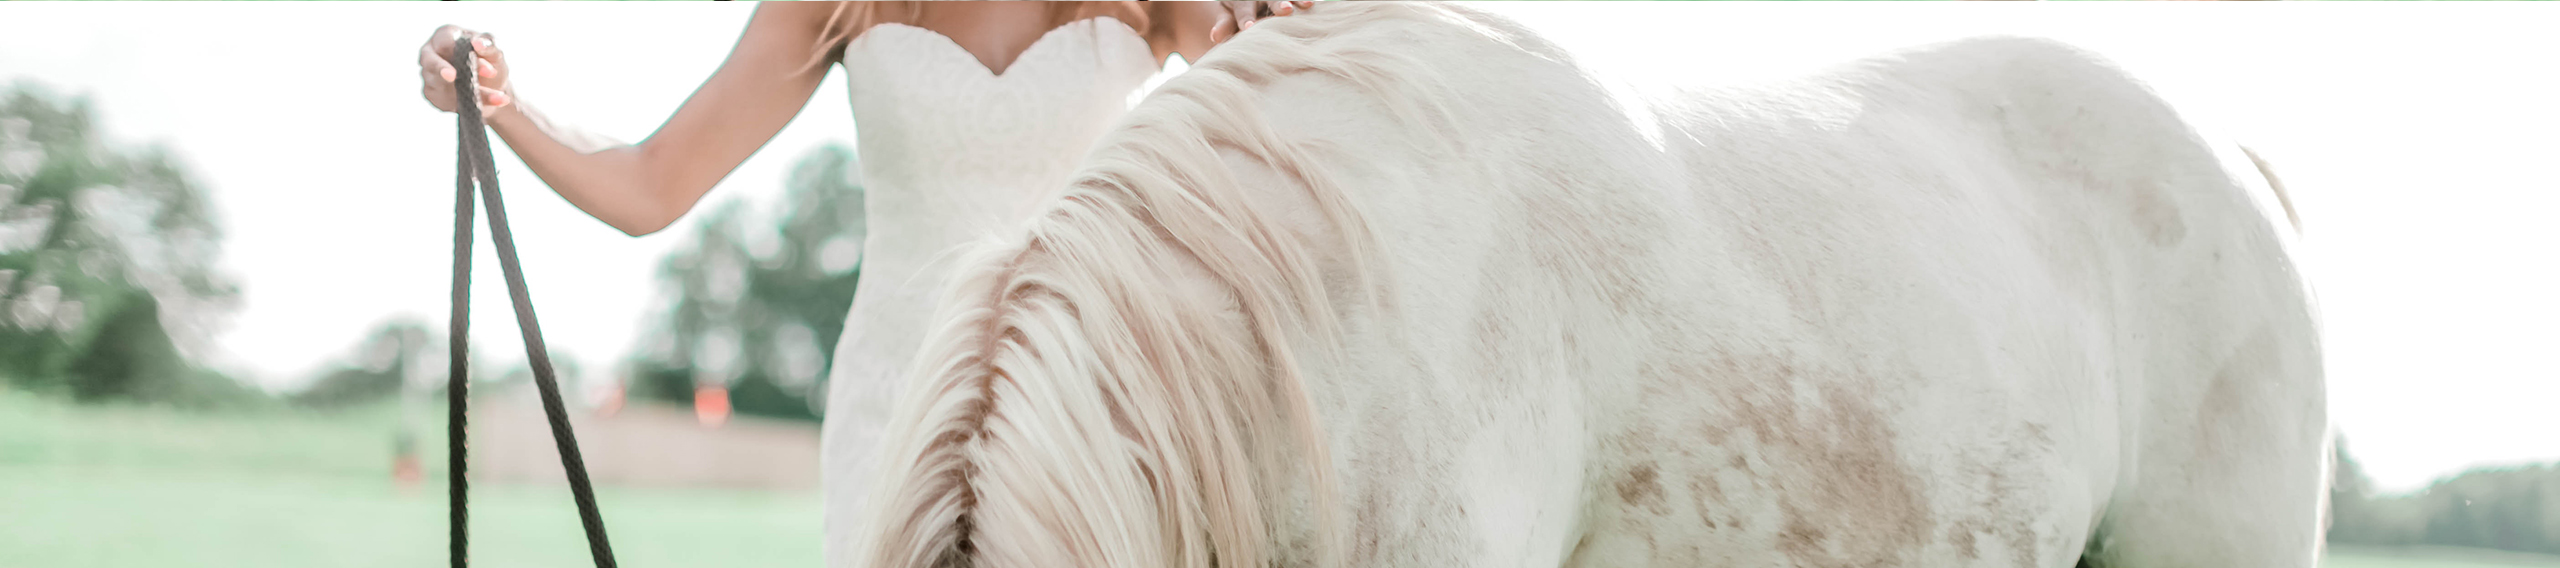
<point x="1401" y="285"/>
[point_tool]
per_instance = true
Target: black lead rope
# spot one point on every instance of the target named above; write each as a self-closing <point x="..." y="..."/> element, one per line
<point x="476" y="163"/>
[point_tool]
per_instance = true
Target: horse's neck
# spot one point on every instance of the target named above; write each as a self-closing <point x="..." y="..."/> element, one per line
<point x="907" y="258"/>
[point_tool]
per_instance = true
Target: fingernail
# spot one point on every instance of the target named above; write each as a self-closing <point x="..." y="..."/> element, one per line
<point x="487" y="71"/>
<point x="448" y="73"/>
<point x="480" y="42"/>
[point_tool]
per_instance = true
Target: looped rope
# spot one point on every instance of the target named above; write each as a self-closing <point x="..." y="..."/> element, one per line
<point x="476" y="163"/>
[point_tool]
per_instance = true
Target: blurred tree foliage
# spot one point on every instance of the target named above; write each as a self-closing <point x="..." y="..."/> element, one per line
<point x="395" y="354"/>
<point x="107" y="285"/>
<point x="2507" y="508"/>
<point x="756" y="307"/>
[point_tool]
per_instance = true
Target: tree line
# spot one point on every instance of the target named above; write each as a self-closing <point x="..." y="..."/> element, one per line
<point x="109" y="292"/>
<point x="2507" y="508"/>
<point x="753" y="308"/>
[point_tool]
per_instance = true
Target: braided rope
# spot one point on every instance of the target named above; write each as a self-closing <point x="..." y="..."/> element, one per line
<point x="477" y="163"/>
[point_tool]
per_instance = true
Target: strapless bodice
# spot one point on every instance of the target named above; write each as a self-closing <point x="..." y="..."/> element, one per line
<point x="953" y="150"/>
<point x="950" y="152"/>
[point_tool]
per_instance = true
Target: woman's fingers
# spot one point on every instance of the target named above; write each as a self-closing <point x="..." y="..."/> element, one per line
<point x="1285" y="8"/>
<point x="1226" y="25"/>
<point x="492" y="64"/>
<point x="435" y="79"/>
<point x="1244" y="13"/>
<point x="486" y="46"/>
<point x="440" y="44"/>
<point x="437" y="73"/>
<point x="492" y="99"/>
<point x="440" y="97"/>
<point x="432" y="65"/>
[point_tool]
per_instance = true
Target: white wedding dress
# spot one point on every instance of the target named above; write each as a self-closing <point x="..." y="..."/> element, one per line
<point x="950" y="152"/>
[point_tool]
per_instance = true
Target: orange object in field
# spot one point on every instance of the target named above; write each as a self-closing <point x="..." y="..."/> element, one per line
<point x="612" y="402"/>
<point x="711" y="404"/>
<point x="405" y="471"/>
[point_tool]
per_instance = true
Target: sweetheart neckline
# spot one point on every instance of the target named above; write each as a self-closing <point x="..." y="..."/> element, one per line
<point x="981" y="64"/>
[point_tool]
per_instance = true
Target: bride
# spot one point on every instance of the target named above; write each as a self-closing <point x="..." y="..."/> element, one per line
<point x="967" y="110"/>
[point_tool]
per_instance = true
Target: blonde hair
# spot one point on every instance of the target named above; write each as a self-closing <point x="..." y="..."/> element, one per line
<point x="850" y="19"/>
<point x="1075" y="405"/>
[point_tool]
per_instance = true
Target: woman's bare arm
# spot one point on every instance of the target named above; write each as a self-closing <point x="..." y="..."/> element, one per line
<point x="641" y="188"/>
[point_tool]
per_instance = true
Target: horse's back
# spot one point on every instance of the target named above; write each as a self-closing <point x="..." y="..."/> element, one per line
<point x="1959" y="304"/>
<point x="1971" y="303"/>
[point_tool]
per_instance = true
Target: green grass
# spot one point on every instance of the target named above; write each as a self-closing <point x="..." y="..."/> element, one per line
<point x="122" y="486"/>
<point x="40" y="432"/>
<point x="71" y="517"/>
<point x="119" y="486"/>
<point x="2351" y="556"/>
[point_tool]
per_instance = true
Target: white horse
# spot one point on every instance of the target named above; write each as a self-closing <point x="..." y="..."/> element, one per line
<point x="1401" y="285"/>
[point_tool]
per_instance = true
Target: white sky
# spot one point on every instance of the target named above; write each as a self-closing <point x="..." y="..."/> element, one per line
<point x="2419" y="141"/>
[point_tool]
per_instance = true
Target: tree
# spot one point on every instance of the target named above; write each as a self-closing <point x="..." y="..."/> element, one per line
<point x="758" y="310"/>
<point x="395" y="355"/>
<point x="2502" y="508"/>
<point x="2510" y="508"/>
<point x="106" y="279"/>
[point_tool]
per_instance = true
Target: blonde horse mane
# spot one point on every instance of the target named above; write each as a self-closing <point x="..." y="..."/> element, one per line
<point x="1121" y="385"/>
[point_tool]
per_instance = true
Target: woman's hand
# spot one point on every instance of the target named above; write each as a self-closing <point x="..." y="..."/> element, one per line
<point x="495" y="93"/>
<point x="640" y="188"/>
<point x="1240" y="16"/>
<point x="1191" y="28"/>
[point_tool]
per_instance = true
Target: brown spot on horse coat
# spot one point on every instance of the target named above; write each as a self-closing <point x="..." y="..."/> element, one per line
<point x="2228" y="408"/>
<point x="1844" y="495"/>
<point x="1961" y="536"/>
<point x="1859" y="487"/>
<point x="2156" y="215"/>
<point x="1643" y="486"/>
<point x="1704" y="488"/>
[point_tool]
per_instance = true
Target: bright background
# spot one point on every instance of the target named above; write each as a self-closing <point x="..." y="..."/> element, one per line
<point x="2418" y="142"/>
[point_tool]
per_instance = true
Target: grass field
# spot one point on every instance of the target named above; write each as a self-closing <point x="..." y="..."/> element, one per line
<point x="111" y="486"/>
<point x="114" y="487"/>
<point x="2348" y="556"/>
<point x="85" y="518"/>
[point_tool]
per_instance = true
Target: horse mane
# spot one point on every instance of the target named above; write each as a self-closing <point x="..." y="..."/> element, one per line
<point x="1121" y="385"/>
